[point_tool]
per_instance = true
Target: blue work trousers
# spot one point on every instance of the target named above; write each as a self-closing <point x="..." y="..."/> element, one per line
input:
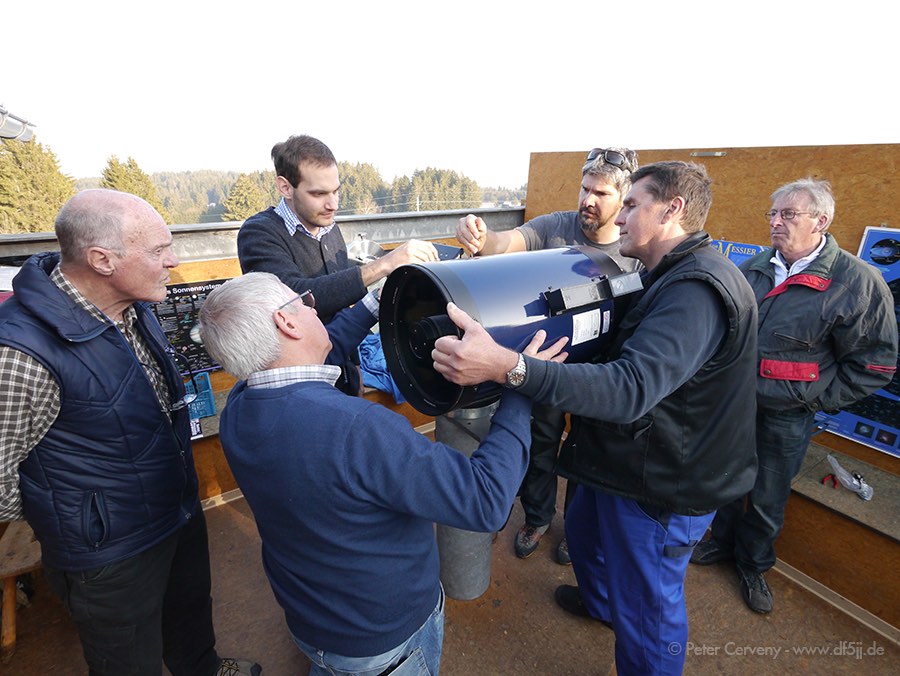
<point x="630" y="563"/>
<point x="751" y="526"/>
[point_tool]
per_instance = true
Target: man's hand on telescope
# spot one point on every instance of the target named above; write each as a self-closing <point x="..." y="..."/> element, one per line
<point x="413" y="251"/>
<point x="477" y="358"/>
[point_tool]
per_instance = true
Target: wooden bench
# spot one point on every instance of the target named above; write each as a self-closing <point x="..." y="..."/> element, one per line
<point x="20" y="553"/>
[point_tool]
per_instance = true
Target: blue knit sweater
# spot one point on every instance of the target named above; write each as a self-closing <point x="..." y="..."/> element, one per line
<point x="345" y="494"/>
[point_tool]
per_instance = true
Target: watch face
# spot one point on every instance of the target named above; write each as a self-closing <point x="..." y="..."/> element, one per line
<point x="517" y="376"/>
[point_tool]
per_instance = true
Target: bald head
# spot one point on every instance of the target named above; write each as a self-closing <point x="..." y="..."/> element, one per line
<point x="99" y="218"/>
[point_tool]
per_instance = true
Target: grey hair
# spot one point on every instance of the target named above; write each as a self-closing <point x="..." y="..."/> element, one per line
<point x="236" y="323"/>
<point x="92" y="218"/>
<point x="821" y="198"/>
<point x="620" y="177"/>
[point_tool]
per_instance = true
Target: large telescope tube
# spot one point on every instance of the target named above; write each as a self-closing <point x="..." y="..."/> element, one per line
<point x="572" y="291"/>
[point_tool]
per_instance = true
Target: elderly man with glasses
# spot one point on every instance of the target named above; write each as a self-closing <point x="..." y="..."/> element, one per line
<point x="827" y="338"/>
<point x="344" y="491"/>
<point x="604" y="183"/>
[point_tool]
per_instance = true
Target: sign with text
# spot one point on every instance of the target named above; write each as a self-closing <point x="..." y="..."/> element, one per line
<point x="178" y="315"/>
<point x="737" y="252"/>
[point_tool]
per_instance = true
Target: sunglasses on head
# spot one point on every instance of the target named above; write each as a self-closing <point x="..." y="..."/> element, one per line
<point x="613" y="157"/>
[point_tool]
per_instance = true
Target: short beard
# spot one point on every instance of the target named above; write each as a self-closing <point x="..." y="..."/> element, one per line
<point x="593" y="226"/>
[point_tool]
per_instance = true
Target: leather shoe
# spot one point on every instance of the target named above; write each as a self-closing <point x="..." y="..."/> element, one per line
<point x="709" y="552"/>
<point x="568" y="598"/>
<point x="562" y="553"/>
<point x="756" y="592"/>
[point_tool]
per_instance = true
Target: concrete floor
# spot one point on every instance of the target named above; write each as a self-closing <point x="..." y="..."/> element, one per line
<point x="514" y="628"/>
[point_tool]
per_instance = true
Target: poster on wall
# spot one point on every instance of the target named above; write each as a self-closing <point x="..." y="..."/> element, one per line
<point x="178" y="316"/>
<point x="737" y="252"/>
<point x="875" y="420"/>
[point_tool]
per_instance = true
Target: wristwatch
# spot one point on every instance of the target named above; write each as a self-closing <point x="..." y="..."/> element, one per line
<point x="516" y="377"/>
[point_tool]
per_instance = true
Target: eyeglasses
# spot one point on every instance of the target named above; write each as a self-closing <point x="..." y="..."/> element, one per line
<point x="613" y="157"/>
<point x="189" y="397"/>
<point x="309" y="300"/>
<point x="786" y="214"/>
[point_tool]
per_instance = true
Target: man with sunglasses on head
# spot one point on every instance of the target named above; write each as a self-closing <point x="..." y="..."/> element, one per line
<point x="95" y="449"/>
<point x="827" y="338"/>
<point x="299" y="241"/>
<point x="345" y="492"/>
<point x="660" y="436"/>
<point x="604" y="184"/>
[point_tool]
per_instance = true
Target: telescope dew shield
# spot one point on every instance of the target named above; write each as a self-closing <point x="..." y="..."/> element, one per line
<point x="572" y="291"/>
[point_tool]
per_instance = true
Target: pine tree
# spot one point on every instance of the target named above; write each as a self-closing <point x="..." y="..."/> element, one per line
<point x="32" y="187"/>
<point x="244" y="199"/>
<point x="129" y="177"/>
<point x="433" y="189"/>
<point x="361" y="188"/>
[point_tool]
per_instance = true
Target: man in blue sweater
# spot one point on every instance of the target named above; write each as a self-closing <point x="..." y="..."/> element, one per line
<point x="344" y="491"/>
<point x="299" y="241"/>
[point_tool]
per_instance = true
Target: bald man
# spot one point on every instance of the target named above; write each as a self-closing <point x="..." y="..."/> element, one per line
<point x="95" y="448"/>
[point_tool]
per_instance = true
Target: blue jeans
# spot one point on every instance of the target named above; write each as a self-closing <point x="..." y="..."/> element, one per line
<point x="630" y="561"/>
<point x="782" y="438"/>
<point x="419" y="655"/>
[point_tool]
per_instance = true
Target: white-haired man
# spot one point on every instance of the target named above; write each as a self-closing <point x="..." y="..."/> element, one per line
<point x="345" y="492"/>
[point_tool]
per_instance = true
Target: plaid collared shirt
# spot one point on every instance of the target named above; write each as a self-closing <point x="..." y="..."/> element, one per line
<point x="288" y="375"/>
<point x="30" y="401"/>
<point x="292" y="223"/>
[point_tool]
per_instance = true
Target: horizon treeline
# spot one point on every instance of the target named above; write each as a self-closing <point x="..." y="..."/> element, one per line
<point x="32" y="190"/>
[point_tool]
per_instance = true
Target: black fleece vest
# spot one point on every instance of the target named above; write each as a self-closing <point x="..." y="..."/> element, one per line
<point x="695" y="450"/>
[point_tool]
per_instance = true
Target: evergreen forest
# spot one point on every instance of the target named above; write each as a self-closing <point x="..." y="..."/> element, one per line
<point x="33" y="188"/>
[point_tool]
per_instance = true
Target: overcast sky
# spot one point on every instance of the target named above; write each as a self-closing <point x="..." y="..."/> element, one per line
<point x="469" y="86"/>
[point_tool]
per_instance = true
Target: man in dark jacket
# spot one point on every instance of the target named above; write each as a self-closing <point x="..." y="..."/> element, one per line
<point x="662" y="431"/>
<point x="300" y="243"/>
<point x="95" y="448"/>
<point x="827" y="338"/>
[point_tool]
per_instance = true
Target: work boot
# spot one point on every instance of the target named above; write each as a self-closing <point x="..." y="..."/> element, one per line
<point x="562" y="553"/>
<point x="756" y="592"/>
<point x="568" y="597"/>
<point x="528" y="538"/>
<point x="709" y="552"/>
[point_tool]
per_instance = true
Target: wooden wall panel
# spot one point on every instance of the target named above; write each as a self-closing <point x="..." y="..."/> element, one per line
<point x="864" y="177"/>
<point x="200" y="271"/>
<point x="848" y="558"/>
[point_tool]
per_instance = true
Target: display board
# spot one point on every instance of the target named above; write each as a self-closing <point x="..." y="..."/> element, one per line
<point x="875" y="420"/>
<point x="178" y="316"/>
<point x="737" y="252"/>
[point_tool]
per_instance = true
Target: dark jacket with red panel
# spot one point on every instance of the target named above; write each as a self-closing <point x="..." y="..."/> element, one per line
<point x="827" y="336"/>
